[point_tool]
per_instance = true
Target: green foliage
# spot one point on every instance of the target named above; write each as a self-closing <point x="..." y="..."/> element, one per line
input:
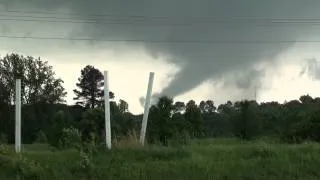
<point x="207" y="106"/>
<point x="38" y="82"/>
<point x="307" y="129"/>
<point x="5" y="149"/>
<point x="92" y="126"/>
<point x="161" y="128"/>
<point x="179" y="107"/>
<point x="13" y="164"/>
<point x="122" y="121"/>
<point x="205" y="159"/>
<point x="7" y="160"/>
<point x="70" y="138"/>
<point x="29" y="169"/>
<point x="123" y="106"/>
<point x="247" y="123"/>
<point x="167" y="123"/>
<point x="91" y="88"/>
<point x="170" y="123"/>
<point x="194" y="117"/>
<point x="85" y="165"/>
<point x="60" y="123"/>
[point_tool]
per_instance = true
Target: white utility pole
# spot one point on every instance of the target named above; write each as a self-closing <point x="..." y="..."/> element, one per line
<point x="107" y="110"/>
<point x="146" y="109"/>
<point x="18" y="116"/>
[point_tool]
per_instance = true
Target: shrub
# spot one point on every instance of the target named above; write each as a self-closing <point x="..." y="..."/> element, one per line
<point x="29" y="169"/>
<point x="56" y="133"/>
<point x="86" y="165"/>
<point x="306" y="128"/>
<point x="71" y="138"/>
<point x="6" y="156"/>
<point x="13" y="164"/>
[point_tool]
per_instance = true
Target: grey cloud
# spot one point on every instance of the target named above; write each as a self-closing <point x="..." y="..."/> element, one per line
<point x="312" y="69"/>
<point x="248" y="79"/>
<point x="154" y="99"/>
<point x="190" y="20"/>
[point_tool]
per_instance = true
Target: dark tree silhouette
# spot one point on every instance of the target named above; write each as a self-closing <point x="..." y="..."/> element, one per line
<point x="91" y="88"/>
<point x="38" y="82"/>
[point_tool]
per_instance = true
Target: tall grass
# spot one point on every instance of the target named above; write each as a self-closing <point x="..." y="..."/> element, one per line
<point x="129" y="141"/>
<point x="203" y="159"/>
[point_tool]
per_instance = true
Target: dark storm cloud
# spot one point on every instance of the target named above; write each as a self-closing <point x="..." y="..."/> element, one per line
<point x="198" y="22"/>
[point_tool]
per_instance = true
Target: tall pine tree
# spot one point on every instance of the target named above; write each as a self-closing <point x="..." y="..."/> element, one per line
<point x="91" y="88"/>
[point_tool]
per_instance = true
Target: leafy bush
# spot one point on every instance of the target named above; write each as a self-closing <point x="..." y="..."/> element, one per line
<point x="6" y="150"/>
<point x="71" y="138"/>
<point x="86" y="165"/>
<point x="6" y="156"/>
<point x="305" y="128"/>
<point x="29" y="169"/>
<point x="15" y="164"/>
<point x="92" y="125"/>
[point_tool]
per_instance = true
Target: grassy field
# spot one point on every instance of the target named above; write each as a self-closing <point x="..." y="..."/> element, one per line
<point x="202" y="159"/>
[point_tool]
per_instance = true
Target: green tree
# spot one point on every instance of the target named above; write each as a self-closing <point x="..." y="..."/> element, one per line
<point x="305" y="99"/>
<point x="91" y="88"/>
<point x="302" y="121"/>
<point x="123" y="120"/>
<point x="123" y="106"/>
<point x="247" y="125"/>
<point x="161" y="127"/>
<point x="226" y="108"/>
<point x="56" y="134"/>
<point x="92" y="126"/>
<point x="272" y="118"/>
<point x="179" y="106"/>
<point x="39" y="84"/>
<point x="207" y="106"/>
<point x="194" y="117"/>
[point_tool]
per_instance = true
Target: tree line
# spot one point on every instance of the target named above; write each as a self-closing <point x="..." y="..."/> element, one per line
<point x="46" y="117"/>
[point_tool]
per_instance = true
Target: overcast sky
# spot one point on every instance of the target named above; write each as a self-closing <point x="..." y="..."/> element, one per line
<point x="220" y="50"/>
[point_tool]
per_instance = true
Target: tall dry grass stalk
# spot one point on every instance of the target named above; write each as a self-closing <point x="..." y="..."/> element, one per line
<point x="131" y="140"/>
